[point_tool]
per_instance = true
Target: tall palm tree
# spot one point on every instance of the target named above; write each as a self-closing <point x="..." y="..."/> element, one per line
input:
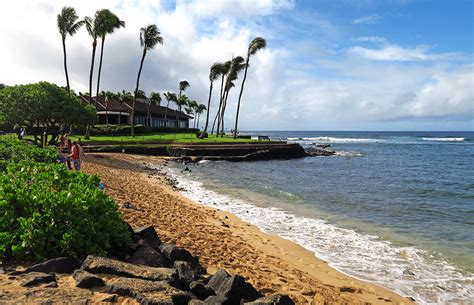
<point x="236" y="66"/>
<point x="170" y="97"/>
<point x="214" y="73"/>
<point x="223" y="71"/>
<point x="200" y="109"/>
<point x="257" y="44"/>
<point x="93" y="26"/>
<point x="123" y="97"/>
<point x="183" y="100"/>
<point x="150" y="36"/>
<point x="155" y="98"/>
<point x="183" y="85"/>
<point x="110" y="23"/>
<point x="68" y="24"/>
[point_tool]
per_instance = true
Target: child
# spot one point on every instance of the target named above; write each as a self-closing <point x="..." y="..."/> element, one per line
<point x="75" y="156"/>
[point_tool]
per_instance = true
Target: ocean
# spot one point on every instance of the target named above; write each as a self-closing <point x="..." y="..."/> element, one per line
<point x="392" y="208"/>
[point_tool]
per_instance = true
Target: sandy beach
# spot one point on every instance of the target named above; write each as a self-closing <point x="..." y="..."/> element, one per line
<point x="221" y="240"/>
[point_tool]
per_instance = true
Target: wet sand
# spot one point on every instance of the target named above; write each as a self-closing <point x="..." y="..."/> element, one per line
<point x="221" y="240"/>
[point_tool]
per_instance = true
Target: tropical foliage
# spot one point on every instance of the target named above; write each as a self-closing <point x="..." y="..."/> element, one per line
<point x="44" y="109"/>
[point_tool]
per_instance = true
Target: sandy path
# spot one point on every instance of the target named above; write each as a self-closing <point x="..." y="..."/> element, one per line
<point x="221" y="240"/>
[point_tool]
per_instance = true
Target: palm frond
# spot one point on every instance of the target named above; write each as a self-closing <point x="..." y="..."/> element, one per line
<point x="256" y="45"/>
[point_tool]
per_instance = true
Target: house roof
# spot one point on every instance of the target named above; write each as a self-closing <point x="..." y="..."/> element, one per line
<point x="103" y="104"/>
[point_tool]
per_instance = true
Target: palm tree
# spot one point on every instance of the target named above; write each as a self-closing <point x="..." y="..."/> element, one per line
<point x="257" y="44"/>
<point x="181" y="101"/>
<point x="223" y="71"/>
<point x="236" y="66"/>
<point x="110" y="23"/>
<point x="170" y="97"/>
<point x="155" y="98"/>
<point x="183" y="85"/>
<point x="68" y="24"/>
<point x="213" y="75"/>
<point x="149" y="38"/>
<point x="93" y="27"/>
<point x="193" y="106"/>
<point x="123" y="97"/>
<point x="200" y="109"/>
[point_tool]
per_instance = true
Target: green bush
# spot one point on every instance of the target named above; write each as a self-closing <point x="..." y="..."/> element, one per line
<point x="14" y="150"/>
<point x="48" y="211"/>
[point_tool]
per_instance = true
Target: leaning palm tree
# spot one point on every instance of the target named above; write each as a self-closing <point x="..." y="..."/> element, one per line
<point x="110" y="23"/>
<point x="170" y="97"/>
<point x="214" y="73"/>
<point x="183" y="100"/>
<point x="155" y="98"/>
<point x="257" y="44"/>
<point x="223" y="71"/>
<point x="123" y="97"/>
<point x="68" y="24"/>
<point x="183" y="85"/>
<point x="236" y="66"/>
<point x="149" y="38"/>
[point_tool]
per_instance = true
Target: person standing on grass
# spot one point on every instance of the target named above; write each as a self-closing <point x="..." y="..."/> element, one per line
<point x="76" y="156"/>
<point x="81" y="148"/>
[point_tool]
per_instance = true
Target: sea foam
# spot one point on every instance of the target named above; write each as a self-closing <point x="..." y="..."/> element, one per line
<point x="337" y="140"/>
<point x="445" y="139"/>
<point x="405" y="270"/>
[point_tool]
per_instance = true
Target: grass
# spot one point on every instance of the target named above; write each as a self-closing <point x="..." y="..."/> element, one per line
<point x="161" y="138"/>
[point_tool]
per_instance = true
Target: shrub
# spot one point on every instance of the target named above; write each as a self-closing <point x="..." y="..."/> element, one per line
<point x="48" y="211"/>
<point x="14" y="150"/>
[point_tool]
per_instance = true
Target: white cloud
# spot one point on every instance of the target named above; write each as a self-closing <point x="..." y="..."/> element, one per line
<point x="378" y="39"/>
<point x="372" y="19"/>
<point x="391" y="52"/>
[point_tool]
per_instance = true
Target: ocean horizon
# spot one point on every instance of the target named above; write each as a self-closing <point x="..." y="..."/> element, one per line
<point x="390" y="207"/>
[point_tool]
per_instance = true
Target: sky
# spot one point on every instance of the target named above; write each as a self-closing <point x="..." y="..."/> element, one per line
<point x="328" y="64"/>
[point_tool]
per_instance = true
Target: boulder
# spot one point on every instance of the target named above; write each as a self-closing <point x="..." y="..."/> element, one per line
<point x="146" y="255"/>
<point x="236" y="289"/>
<point x="148" y="233"/>
<point x="148" y="292"/>
<point x="57" y="265"/>
<point x="196" y="302"/>
<point x="102" y="265"/>
<point x="186" y="273"/>
<point x="200" y="290"/>
<point x="218" y="279"/>
<point x="216" y="300"/>
<point x="36" y="278"/>
<point x="272" y="300"/>
<point x="86" y="280"/>
<point x="174" y="253"/>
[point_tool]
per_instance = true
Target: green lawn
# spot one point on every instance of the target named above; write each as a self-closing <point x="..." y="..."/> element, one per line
<point x="161" y="138"/>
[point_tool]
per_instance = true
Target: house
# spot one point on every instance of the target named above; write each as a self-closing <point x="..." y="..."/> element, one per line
<point x="112" y="111"/>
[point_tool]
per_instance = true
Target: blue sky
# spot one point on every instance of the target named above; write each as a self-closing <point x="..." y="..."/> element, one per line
<point x="328" y="65"/>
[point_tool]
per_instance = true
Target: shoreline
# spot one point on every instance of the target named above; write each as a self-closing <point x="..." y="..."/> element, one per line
<point x="222" y="240"/>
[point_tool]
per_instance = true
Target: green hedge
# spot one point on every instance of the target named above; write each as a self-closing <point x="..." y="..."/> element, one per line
<point x="48" y="211"/>
<point x="139" y="129"/>
<point x="13" y="150"/>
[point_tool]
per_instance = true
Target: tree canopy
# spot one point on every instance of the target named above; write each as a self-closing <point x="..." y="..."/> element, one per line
<point x="44" y="109"/>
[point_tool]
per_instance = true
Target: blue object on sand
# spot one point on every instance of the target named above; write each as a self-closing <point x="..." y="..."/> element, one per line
<point x="101" y="186"/>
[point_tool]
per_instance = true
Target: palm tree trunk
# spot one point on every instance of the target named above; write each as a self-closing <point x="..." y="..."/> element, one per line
<point x="106" y="111"/>
<point x="136" y="89"/>
<point x="240" y="96"/>
<point x="148" y="115"/>
<point x="197" y="125"/>
<point x="177" y="117"/>
<point x="65" y="64"/>
<point x="224" y="104"/>
<point x="220" y="105"/>
<point x="166" y="113"/>
<point x="94" y="45"/>
<point x="100" y="64"/>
